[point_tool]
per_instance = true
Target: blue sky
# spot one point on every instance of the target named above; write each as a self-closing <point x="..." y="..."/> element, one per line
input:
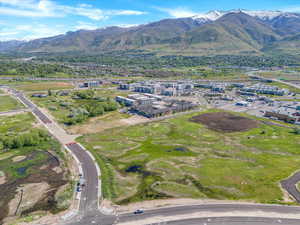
<point x="30" y="19"/>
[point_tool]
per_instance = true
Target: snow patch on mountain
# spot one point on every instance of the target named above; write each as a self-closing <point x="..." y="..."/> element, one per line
<point x="261" y="14"/>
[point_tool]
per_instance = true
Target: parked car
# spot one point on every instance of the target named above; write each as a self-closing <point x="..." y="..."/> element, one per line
<point x="138" y="211"/>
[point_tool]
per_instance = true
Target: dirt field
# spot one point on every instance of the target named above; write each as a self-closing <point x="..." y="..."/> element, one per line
<point x="44" y="86"/>
<point x="10" y="189"/>
<point x="225" y="122"/>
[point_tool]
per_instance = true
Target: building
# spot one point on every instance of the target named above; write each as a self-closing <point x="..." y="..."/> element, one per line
<point x="158" y="109"/>
<point x="242" y="103"/>
<point x="90" y="84"/>
<point x="125" y="101"/>
<point x="215" y="87"/>
<point x="142" y="99"/>
<point x="129" y="87"/>
<point x="280" y="116"/>
<point x="265" y="89"/>
<point x="238" y="85"/>
<point x="245" y="93"/>
<point x="39" y="95"/>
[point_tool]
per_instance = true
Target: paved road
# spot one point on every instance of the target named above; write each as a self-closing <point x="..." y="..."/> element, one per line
<point x="89" y="193"/>
<point x="290" y="186"/>
<point x="233" y="221"/>
<point x="213" y="208"/>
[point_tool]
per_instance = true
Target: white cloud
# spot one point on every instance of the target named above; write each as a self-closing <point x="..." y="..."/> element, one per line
<point x="30" y="32"/>
<point x="48" y="8"/>
<point x="9" y="33"/>
<point x="19" y="3"/>
<point x="179" y="12"/>
<point x="91" y="13"/>
<point x="30" y="8"/>
<point x="126" y="12"/>
<point x="41" y="31"/>
<point x="291" y="9"/>
<point x="85" y="26"/>
<point x="127" y="25"/>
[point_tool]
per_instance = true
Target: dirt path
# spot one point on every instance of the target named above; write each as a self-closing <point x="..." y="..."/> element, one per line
<point x="155" y="204"/>
<point x="14" y="112"/>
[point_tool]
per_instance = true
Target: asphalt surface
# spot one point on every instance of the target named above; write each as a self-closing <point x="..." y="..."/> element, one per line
<point x="215" y="208"/>
<point x="232" y="221"/>
<point x="89" y="193"/>
<point x="290" y="186"/>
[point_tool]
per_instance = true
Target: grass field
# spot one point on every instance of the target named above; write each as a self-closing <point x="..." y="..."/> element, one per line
<point x="287" y="100"/>
<point x="8" y="103"/>
<point x="61" y="106"/>
<point x="291" y="89"/>
<point x="179" y="158"/>
<point x="282" y="75"/>
<point x="43" y="86"/>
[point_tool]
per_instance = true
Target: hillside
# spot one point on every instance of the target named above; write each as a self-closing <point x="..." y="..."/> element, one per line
<point x="215" y="33"/>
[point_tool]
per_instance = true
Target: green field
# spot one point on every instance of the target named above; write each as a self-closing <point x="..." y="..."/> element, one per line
<point x="8" y="103"/>
<point x="287" y="100"/>
<point x="61" y="107"/>
<point x="179" y="158"/>
<point x="43" y="86"/>
<point x="282" y="75"/>
<point x="290" y="88"/>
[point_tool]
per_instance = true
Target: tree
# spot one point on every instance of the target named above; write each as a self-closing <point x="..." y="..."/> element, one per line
<point x="297" y="130"/>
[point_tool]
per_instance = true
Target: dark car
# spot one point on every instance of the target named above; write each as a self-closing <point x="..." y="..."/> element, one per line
<point x="138" y="211"/>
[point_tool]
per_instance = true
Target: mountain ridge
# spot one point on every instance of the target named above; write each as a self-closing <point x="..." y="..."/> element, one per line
<point x="217" y="32"/>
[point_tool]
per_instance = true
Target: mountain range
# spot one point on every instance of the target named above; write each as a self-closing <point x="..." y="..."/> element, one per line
<point x="215" y="33"/>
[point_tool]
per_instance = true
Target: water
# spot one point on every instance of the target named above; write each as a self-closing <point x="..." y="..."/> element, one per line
<point x="21" y="171"/>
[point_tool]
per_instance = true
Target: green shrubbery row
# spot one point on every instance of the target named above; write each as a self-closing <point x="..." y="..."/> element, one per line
<point x="89" y="109"/>
<point x="32" y="138"/>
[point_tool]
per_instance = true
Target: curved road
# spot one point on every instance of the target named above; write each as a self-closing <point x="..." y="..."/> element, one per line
<point x="89" y="212"/>
<point x="214" y="209"/>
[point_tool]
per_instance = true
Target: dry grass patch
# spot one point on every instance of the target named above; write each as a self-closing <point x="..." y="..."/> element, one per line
<point x="178" y="190"/>
<point x="18" y="158"/>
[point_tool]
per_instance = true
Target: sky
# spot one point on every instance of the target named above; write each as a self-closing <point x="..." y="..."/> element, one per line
<point x="32" y="19"/>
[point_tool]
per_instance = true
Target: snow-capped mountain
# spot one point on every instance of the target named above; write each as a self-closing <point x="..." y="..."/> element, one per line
<point x="210" y="16"/>
<point x="263" y="15"/>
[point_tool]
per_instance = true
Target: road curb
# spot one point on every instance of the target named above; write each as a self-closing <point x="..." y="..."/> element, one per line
<point x="98" y="174"/>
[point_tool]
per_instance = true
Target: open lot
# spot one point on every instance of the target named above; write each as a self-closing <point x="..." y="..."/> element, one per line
<point x="8" y="103"/>
<point x="43" y="86"/>
<point x="291" y="89"/>
<point x="283" y="75"/>
<point x="225" y="122"/>
<point x="180" y="158"/>
<point x="61" y="107"/>
<point x="33" y="175"/>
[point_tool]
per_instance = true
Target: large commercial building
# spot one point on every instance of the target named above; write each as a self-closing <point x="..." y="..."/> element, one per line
<point x="160" y="88"/>
<point x="265" y="89"/>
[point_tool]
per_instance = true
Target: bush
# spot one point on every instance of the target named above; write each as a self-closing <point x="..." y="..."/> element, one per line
<point x="88" y="94"/>
<point x="297" y="130"/>
<point x="32" y="138"/>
